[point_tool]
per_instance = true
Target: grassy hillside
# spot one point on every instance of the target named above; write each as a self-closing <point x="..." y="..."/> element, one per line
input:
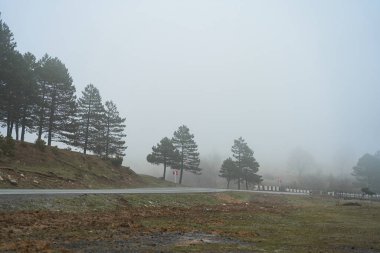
<point x="57" y="168"/>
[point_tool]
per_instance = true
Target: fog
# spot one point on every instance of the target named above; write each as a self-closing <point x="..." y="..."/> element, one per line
<point x="284" y="75"/>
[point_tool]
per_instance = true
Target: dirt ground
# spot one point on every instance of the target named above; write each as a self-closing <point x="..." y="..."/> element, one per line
<point x="103" y="231"/>
<point x="185" y="223"/>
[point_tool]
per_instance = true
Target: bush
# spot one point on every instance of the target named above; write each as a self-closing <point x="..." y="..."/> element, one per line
<point x="117" y="161"/>
<point x="7" y="146"/>
<point x="367" y="191"/>
<point x="40" y="144"/>
<point x="55" y="150"/>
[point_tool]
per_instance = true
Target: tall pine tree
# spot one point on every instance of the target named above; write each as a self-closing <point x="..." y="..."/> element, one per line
<point x="188" y="149"/>
<point x="90" y="115"/>
<point x="164" y="153"/>
<point x="41" y="109"/>
<point x="19" y="94"/>
<point x="57" y="105"/>
<point x="7" y="52"/>
<point x="113" y="144"/>
<point x="30" y="97"/>
<point x="245" y="162"/>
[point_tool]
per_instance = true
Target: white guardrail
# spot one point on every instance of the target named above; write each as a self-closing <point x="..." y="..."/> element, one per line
<point x="304" y="191"/>
<point x="353" y="195"/>
<point x="277" y="189"/>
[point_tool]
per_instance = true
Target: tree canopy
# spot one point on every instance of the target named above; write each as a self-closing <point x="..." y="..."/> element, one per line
<point x="246" y="164"/>
<point x="367" y="171"/>
<point x="113" y="143"/>
<point x="188" y="149"/>
<point x="164" y="153"/>
<point x="229" y="171"/>
<point x="90" y="112"/>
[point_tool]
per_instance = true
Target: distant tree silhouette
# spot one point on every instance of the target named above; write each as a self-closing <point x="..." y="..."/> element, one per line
<point x="247" y="165"/>
<point x="367" y="171"/>
<point x="113" y="126"/>
<point x="188" y="149"/>
<point x="229" y="171"/>
<point x="164" y="153"/>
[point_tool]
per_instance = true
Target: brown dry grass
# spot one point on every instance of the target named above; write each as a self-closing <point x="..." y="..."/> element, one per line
<point x="58" y="168"/>
<point x="249" y="222"/>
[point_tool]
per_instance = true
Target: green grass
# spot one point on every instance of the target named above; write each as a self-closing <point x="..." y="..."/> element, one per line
<point x="151" y="181"/>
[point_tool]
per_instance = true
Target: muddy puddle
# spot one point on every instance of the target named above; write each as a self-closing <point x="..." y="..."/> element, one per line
<point x="156" y="242"/>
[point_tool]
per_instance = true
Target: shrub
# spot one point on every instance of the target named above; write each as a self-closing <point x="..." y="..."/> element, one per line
<point x="55" y="150"/>
<point x="367" y="191"/>
<point x="117" y="161"/>
<point x="7" y="146"/>
<point x="40" y="144"/>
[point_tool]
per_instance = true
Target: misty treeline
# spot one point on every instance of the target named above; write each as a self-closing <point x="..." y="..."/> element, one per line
<point x="304" y="172"/>
<point x="38" y="96"/>
<point x="180" y="152"/>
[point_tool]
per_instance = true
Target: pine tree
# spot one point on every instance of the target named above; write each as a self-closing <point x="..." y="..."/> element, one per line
<point x="41" y="109"/>
<point x="7" y="52"/>
<point x="367" y="171"/>
<point x="164" y="153"/>
<point x="90" y="126"/>
<point x="188" y="149"/>
<point x="57" y="100"/>
<point x="17" y="85"/>
<point x="114" y="127"/>
<point x="229" y="171"/>
<point x="246" y="164"/>
<point x="11" y="92"/>
<point x="29" y="95"/>
<point x="18" y="94"/>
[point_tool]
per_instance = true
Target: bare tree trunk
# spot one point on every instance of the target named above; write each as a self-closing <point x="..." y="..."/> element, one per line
<point x="23" y="123"/>
<point x="16" y="130"/>
<point x="164" y="169"/>
<point x="108" y="140"/>
<point x="180" y="176"/>
<point x="10" y="130"/>
<point x="41" y="114"/>
<point x="87" y="126"/>
<point x="51" y="119"/>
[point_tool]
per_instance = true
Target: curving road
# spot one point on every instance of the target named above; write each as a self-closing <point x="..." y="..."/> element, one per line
<point x="129" y="191"/>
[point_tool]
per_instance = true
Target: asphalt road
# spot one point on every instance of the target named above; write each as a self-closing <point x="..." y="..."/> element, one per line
<point x="128" y="191"/>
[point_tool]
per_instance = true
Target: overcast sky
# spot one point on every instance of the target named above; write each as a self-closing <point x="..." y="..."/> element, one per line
<point x="281" y="74"/>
